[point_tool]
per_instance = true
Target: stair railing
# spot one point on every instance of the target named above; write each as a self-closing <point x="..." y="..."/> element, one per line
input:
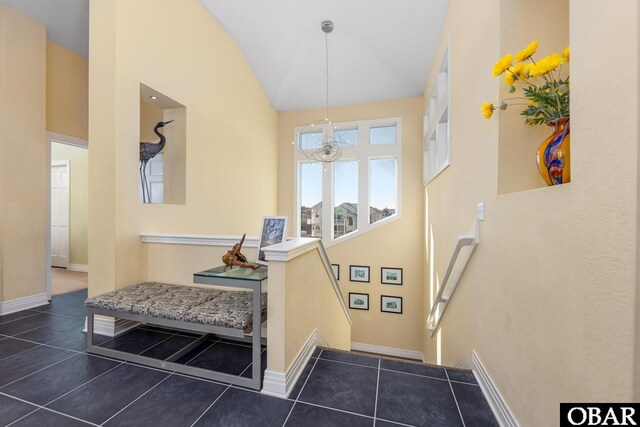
<point x="450" y="282"/>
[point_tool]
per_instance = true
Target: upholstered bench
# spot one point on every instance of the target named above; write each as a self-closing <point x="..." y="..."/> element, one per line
<point x="188" y="308"/>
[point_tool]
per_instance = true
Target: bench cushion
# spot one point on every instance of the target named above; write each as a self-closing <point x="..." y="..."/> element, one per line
<point x="230" y="309"/>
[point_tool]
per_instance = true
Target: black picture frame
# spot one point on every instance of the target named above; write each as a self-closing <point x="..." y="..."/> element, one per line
<point x="337" y="271"/>
<point x="396" y="311"/>
<point x="353" y="307"/>
<point x="384" y="278"/>
<point x="353" y="272"/>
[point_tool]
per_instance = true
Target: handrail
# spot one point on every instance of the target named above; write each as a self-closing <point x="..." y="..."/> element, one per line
<point x="441" y="301"/>
<point x="334" y="281"/>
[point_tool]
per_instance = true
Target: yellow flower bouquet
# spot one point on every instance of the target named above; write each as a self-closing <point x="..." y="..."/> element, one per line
<point x="545" y="91"/>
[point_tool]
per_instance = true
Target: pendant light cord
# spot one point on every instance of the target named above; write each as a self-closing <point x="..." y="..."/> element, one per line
<point x="326" y="47"/>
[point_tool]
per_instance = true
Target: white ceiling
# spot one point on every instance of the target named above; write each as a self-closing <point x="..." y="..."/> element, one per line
<point x="379" y="49"/>
<point x="67" y="21"/>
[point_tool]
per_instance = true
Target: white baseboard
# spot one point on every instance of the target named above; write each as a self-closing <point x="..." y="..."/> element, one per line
<point x="280" y="384"/>
<point x="24" y="303"/>
<point x="498" y="405"/>
<point x="109" y="326"/>
<point x="78" y="267"/>
<point x="466" y="363"/>
<point x="388" y="351"/>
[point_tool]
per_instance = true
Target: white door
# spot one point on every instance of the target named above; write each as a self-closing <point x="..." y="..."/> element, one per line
<point x="155" y="179"/>
<point x="60" y="214"/>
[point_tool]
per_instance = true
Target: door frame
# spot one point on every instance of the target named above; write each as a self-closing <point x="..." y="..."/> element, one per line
<point x="74" y="142"/>
<point x="65" y="163"/>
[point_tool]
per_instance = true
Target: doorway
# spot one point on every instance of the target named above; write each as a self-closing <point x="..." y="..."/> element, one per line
<point x="69" y="214"/>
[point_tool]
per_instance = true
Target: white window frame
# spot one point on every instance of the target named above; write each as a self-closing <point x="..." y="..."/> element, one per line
<point x="362" y="152"/>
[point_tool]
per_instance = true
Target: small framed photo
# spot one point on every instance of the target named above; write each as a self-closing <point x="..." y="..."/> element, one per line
<point x="389" y="304"/>
<point x="391" y="276"/>
<point x="358" y="301"/>
<point x="359" y="273"/>
<point x="336" y="270"/>
<point x="274" y="229"/>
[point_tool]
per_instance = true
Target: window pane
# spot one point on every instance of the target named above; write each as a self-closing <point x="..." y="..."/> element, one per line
<point x="311" y="199"/>
<point x="311" y="140"/>
<point x="383" y="189"/>
<point x="382" y="135"/>
<point x="348" y="137"/>
<point x="345" y="202"/>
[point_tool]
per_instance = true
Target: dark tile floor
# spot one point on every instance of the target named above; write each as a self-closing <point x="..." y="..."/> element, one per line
<point x="46" y="379"/>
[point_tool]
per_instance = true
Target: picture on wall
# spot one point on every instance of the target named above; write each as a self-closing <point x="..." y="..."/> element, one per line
<point x="359" y="273"/>
<point x="389" y="304"/>
<point x="358" y="301"/>
<point x="274" y="229"/>
<point x="391" y="276"/>
<point x="336" y="270"/>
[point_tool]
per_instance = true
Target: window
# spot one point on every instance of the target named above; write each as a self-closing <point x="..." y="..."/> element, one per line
<point x="382" y="184"/>
<point x="311" y="202"/>
<point x="357" y="192"/>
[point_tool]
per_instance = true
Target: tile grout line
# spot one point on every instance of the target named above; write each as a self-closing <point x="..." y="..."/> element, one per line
<point x="83" y="384"/>
<point x="348" y="363"/>
<point x="23" y="351"/>
<point x="308" y="376"/>
<point x="40" y="407"/>
<point x="455" y="399"/>
<point x="136" y="399"/>
<point x="375" y="407"/>
<point x="415" y="375"/>
<point x="38" y="344"/>
<point x="214" y="402"/>
<point x="39" y="370"/>
<point x="22" y="318"/>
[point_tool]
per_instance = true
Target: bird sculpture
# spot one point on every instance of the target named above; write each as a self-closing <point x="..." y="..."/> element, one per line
<point x="148" y="150"/>
<point x="235" y="257"/>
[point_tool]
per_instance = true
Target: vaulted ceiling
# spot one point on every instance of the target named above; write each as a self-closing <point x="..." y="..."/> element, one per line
<point x="379" y="50"/>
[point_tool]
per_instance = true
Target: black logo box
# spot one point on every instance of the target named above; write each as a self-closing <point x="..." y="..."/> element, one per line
<point x="599" y="414"/>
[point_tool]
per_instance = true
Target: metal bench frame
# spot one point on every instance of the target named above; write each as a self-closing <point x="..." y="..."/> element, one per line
<point x="255" y="382"/>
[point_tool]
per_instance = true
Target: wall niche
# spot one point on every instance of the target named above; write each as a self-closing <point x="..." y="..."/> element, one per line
<point x="163" y="179"/>
<point x="521" y="22"/>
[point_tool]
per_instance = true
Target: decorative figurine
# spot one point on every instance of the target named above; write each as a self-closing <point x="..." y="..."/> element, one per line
<point x="235" y="257"/>
<point x="148" y="150"/>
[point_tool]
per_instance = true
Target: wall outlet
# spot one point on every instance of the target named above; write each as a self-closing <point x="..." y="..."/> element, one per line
<point x="481" y="211"/>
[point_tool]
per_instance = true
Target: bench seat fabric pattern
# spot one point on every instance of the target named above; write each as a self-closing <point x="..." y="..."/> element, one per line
<point x="230" y="309"/>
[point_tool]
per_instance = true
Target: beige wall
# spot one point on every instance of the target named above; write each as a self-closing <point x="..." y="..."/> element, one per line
<point x="301" y="301"/>
<point x="231" y="154"/>
<point x="78" y="198"/>
<point x="548" y="299"/>
<point x="23" y="158"/>
<point x="397" y="244"/>
<point x="67" y="92"/>
<point x="150" y="115"/>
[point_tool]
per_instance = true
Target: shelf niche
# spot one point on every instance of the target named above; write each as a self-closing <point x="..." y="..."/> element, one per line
<point x="436" y="140"/>
<point x="522" y="21"/>
<point x="166" y="172"/>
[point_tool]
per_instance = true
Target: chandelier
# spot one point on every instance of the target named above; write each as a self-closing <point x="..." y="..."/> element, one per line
<point x="328" y="148"/>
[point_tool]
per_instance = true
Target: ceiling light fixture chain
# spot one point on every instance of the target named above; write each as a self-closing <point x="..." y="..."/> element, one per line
<point x="328" y="148"/>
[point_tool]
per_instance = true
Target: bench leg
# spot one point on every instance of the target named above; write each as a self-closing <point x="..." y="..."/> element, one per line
<point x="256" y="376"/>
<point x="90" y="317"/>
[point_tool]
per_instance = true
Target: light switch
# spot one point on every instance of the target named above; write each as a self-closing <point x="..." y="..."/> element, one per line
<point x="481" y="211"/>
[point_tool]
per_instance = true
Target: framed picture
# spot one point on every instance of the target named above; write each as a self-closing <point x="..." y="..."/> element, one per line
<point x="274" y="229"/>
<point x="391" y="276"/>
<point x="336" y="270"/>
<point x="359" y="273"/>
<point x="358" y="301"/>
<point x="389" y="304"/>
